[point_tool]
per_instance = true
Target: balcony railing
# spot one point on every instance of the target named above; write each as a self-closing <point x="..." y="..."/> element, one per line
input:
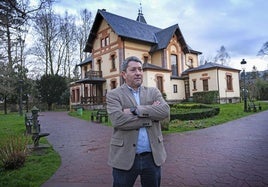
<point x="93" y="100"/>
<point x="93" y="74"/>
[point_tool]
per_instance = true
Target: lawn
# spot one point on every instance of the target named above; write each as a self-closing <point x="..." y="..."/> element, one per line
<point x="39" y="165"/>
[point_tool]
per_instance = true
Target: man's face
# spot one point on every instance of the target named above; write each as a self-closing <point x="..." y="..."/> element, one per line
<point x="133" y="74"/>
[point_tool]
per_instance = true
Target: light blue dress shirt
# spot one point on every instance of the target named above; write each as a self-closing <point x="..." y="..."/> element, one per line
<point x="143" y="144"/>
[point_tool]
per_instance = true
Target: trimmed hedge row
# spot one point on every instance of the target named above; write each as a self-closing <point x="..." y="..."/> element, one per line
<point x="192" y="112"/>
<point x="208" y="97"/>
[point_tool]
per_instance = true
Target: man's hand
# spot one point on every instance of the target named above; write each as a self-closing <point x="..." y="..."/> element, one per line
<point x="156" y="103"/>
<point x="127" y="111"/>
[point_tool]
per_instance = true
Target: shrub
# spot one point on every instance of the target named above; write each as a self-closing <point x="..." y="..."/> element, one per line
<point x="165" y="124"/>
<point x="208" y="97"/>
<point x="13" y="152"/>
<point x="193" y="111"/>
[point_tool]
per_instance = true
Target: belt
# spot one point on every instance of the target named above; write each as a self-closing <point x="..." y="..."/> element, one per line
<point x="143" y="154"/>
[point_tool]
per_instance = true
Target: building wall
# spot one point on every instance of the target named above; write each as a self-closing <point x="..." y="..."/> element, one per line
<point x="217" y="81"/>
<point x="180" y="94"/>
<point x="210" y="75"/>
<point x="224" y="92"/>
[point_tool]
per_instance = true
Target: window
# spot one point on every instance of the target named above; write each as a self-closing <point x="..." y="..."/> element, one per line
<point x="85" y="72"/>
<point x="229" y="82"/>
<point x="113" y="62"/>
<point x="73" y="96"/>
<point x="159" y="83"/>
<point x="190" y="63"/>
<point x="113" y="84"/>
<point x="174" y="65"/>
<point x="187" y="89"/>
<point x="77" y="98"/>
<point x="205" y="85"/>
<point x="105" y="41"/>
<point x="194" y="84"/>
<point x="99" y="64"/>
<point x="86" y="91"/>
<point x="145" y="59"/>
<point x="175" y="88"/>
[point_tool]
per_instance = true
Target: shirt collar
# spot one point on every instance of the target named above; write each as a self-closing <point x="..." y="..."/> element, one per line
<point x="132" y="90"/>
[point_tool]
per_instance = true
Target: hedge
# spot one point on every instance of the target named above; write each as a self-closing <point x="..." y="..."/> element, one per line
<point x="192" y="112"/>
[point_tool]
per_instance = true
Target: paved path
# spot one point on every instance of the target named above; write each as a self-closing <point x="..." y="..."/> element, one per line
<point x="232" y="154"/>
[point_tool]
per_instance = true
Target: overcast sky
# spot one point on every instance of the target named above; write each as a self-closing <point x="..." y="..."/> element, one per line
<point x="241" y="26"/>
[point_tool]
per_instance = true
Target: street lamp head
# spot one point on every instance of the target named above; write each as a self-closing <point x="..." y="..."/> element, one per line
<point x="243" y="62"/>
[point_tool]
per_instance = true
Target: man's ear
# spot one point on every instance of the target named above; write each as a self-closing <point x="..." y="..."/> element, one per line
<point x="123" y="73"/>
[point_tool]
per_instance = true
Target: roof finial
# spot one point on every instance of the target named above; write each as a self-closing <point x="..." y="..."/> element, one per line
<point x="140" y="17"/>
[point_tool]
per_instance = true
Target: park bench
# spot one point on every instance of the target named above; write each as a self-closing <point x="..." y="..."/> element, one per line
<point x="28" y="120"/>
<point x="32" y="125"/>
<point x="99" y="115"/>
<point x="252" y="106"/>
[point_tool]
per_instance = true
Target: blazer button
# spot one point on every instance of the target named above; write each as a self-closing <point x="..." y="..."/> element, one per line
<point x="134" y="145"/>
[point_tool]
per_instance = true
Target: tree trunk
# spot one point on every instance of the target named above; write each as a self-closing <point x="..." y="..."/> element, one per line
<point x="5" y="104"/>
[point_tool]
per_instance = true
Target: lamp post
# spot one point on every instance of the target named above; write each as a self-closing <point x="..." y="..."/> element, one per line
<point x="20" y="97"/>
<point x="243" y="64"/>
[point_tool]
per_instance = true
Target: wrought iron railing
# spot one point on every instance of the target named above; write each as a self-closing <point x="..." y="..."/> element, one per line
<point x="93" y="74"/>
<point x="93" y="100"/>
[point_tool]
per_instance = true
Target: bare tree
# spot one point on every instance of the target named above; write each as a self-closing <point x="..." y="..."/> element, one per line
<point x="264" y="50"/>
<point x="222" y="56"/>
<point x="14" y="15"/>
<point x="69" y="44"/>
<point x="56" y="44"/>
<point x="83" y="31"/>
<point x="47" y="30"/>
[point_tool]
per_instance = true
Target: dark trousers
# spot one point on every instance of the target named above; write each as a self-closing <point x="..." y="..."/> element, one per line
<point x="144" y="165"/>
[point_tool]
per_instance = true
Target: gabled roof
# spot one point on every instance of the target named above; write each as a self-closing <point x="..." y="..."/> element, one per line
<point x="146" y="66"/>
<point x="164" y="36"/>
<point x="86" y="61"/>
<point x="207" y="66"/>
<point x="131" y="29"/>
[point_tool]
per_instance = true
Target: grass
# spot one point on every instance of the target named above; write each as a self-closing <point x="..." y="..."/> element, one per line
<point x="39" y="166"/>
<point x="228" y="112"/>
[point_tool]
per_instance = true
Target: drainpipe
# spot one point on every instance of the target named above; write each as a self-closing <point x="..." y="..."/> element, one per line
<point x="122" y="59"/>
<point x="218" y="84"/>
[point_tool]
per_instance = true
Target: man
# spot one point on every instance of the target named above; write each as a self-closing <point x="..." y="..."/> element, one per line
<point x="136" y="146"/>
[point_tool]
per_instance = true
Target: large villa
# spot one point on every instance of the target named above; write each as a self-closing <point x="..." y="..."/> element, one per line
<point x="170" y="64"/>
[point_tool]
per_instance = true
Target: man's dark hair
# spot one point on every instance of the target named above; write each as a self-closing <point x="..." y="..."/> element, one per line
<point x="124" y="65"/>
